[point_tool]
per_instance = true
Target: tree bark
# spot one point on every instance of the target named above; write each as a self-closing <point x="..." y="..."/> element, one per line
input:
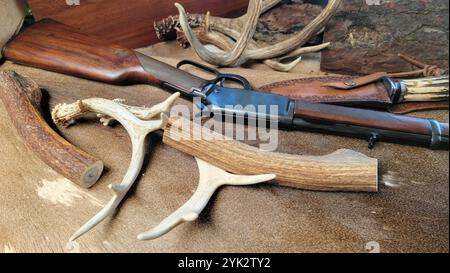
<point x="367" y="35"/>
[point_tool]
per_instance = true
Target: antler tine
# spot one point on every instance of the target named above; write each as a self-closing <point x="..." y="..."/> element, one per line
<point x="216" y="38"/>
<point x="268" y="4"/>
<point x="298" y="39"/>
<point x="211" y="178"/>
<point x="226" y="58"/>
<point x="233" y="26"/>
<point x="276" y="64"/>
<point x="304" y="50"/>
<point x="146" y="113"/>
<point x="137" y="129"/>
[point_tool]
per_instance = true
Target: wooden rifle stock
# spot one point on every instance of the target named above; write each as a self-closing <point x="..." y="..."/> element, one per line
<point x="56" y="47"/>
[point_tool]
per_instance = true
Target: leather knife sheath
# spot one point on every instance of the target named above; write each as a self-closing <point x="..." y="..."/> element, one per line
<point x="372" y="91"/>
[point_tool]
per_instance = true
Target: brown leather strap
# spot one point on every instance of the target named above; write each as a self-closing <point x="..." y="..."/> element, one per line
<point x="348" y="84"/>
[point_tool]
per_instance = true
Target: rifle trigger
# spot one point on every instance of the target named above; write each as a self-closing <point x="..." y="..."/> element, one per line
<point x="222" y="78"/>
<point x="373" y="139"/>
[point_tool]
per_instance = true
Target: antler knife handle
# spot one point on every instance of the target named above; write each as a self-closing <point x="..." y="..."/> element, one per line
<point x="343" y="170"/>
<point x="21" y="98"/>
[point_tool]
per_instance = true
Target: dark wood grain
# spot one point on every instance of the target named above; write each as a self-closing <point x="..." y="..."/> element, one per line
<point x="128" y="23"/>
<point x="365" y="118"/>
<point x="54" y="46"/>
<point x="21" y="98"/>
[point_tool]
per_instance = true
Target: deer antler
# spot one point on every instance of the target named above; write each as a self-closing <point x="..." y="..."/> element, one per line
<point x="139" y="122"/>
<point x="211" y="178"/>
<point x="233" y="56"/>
<point x="226" y="43"/>
<point x="246" y="48"/>
<point x="277" y="64"/>
<point x="138" y="129"/>
<point x="227" y="26"/>
<point x="343" y="170"/>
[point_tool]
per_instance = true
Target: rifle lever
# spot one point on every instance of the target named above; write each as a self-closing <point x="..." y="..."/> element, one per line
<point x="220" y="78"/>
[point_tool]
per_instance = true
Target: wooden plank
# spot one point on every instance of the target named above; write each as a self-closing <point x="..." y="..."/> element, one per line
<point x="129" y="23"/>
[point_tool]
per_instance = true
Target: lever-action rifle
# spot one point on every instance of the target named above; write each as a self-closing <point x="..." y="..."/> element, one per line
<point x="53" y="46"/>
